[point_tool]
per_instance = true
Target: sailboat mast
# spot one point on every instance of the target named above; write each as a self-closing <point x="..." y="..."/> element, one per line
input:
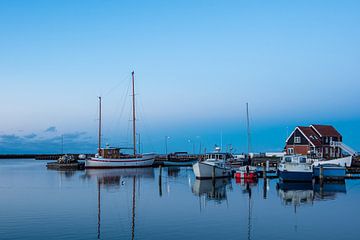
<point x="99" y="137"/>
<point x="248" y="127"/>
<point x="133" y="109"/>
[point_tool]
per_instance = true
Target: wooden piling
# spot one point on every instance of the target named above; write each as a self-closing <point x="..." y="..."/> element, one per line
<point x="160" y="180"/>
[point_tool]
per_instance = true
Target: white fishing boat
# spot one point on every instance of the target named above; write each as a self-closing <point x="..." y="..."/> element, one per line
<point x="110" y="157"/>
<point x="214" y="166"/>
<point x="295" y="168"/>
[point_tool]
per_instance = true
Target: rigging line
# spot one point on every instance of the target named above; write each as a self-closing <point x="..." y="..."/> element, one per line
<point x="117" y="107"/>
<point x="147" y="129"/>
<point x="122" y="81"/>
<point x="120" y="110"/>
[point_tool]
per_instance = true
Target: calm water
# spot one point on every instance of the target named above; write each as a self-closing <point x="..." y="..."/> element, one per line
<point x="36" y="203"/>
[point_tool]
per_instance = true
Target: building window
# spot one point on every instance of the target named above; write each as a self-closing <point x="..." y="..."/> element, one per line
<point x="297" y="140"/>
<point x="326" y="151"/>
<point x="290" y="151"/>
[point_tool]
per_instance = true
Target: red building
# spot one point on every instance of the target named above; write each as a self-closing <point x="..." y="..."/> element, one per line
<point x="315" y="141"/>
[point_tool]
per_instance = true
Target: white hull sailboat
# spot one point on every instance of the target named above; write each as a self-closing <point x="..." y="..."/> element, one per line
<point x="110" y="157"/>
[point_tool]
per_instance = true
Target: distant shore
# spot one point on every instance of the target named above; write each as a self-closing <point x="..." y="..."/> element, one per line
<point x="39" y="156"/>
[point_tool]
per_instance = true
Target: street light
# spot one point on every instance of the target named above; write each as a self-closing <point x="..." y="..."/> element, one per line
<point x="166" y="144"/>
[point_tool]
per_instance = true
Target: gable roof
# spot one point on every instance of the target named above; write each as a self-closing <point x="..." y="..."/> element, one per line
<point x="325" y="130"/>
<point x="310" y="135"/>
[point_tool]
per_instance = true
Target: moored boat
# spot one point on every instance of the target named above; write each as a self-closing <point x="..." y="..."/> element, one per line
<point x="330" y="171"/>
<point x="111" y="157"/>
<point x="215" y="166"/>
<point x="246" y="172"/>
<point x="295" y="168"/>
<point x="343" y="162"/>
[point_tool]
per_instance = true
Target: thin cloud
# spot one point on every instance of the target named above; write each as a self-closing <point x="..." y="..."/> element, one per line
<point x="51" y="129"/>
<point x="30" y="136"/>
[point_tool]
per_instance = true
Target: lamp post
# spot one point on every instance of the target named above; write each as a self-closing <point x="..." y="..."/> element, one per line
<point x="166" y="144"/>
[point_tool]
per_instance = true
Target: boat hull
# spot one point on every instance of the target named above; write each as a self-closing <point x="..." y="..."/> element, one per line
<point x="331" y="172"/>
<point x="343" y="162"/>
<point x="146" y="160"/>
<point x="206" y="171"/>
<point x="292" y="176"/>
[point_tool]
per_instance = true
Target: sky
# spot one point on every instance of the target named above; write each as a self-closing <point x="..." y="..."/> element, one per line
<point x="196" y="63"/>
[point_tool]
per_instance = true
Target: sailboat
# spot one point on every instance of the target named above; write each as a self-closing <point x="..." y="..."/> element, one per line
<point x="111" y="157"/>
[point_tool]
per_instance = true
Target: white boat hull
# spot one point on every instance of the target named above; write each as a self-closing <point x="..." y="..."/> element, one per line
<point x="343" y="162"/>
<point x="146" y="160"/>
<point x="202" y="170"/>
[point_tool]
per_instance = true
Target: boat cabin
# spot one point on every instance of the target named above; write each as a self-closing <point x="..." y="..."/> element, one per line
<point x="113" y="153"/>
<point x="296" y="159"/>
<point x="110" y="152"/>
<point x="219" y="156"/>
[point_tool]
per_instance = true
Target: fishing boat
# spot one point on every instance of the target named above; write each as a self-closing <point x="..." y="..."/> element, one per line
<point x="246" y="172"/>
<point x="295" y="168"/>
<point x="214" y="166"/>
<point x="111" y="157"/>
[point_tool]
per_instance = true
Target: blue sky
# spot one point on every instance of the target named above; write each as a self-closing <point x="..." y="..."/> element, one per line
<point x="196" y="63"/>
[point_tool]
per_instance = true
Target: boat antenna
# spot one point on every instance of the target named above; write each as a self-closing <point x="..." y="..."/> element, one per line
<point x="99" y="137"/>
<point x="133" y="110"/>
<point x="248" y="128"/>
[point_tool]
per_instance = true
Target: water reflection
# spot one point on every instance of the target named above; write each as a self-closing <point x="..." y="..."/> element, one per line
<point x="296" y="193"/>
<point x="215" y="190"/>
<point x="173" y="171"/>
<point x="114" y="178"/>
<point x="329" y="191"/>
<point x="306" y="193"/>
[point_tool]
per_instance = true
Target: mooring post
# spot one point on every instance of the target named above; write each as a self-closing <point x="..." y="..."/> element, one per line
<point x="160" y="181"/>
<point x="213" y="175"/>
<point x="264" y="172"/>
<point x="321" y="174"/>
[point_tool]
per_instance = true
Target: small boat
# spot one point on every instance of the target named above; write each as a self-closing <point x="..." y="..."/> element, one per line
<point x="66" y="162"/>
<point x="295" y="168"/>
<point x="246" y="172"/>
<point x="111" y="157"/>
<point x="330" y="171"/>
<point x="215" y="166"/>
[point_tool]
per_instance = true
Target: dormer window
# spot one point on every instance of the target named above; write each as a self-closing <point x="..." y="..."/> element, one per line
<point x="297" y="140"/>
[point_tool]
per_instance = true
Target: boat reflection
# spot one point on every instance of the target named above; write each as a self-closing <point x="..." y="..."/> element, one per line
<point x="114" y="178"/>
<point x="121" y="173"/>
<point x="306" y="193"/>
<point x="296" y="193"/>
<point x="330" y="190"/>
<point x="215" y="190"/>
<point x="173" y="171"/>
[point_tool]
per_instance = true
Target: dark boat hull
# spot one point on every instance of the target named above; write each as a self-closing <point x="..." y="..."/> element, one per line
<point x="295" y="176"/>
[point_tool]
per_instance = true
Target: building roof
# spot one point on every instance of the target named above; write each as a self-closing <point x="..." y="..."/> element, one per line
<point x="310" y="135"/>
<point x="325" y="130"/>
